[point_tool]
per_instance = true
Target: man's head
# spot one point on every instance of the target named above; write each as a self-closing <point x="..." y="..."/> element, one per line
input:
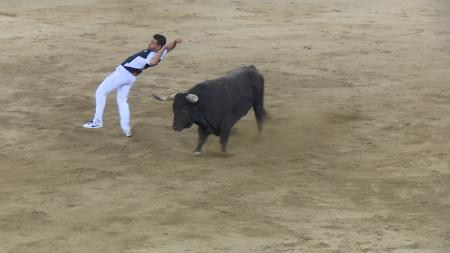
<point x="157" y="42"/>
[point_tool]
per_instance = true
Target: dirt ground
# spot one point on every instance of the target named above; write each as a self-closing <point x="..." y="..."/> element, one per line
<point x="355" y="157"/>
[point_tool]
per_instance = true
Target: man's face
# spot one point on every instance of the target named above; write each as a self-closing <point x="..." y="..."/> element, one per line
<point x="154" y="45"/>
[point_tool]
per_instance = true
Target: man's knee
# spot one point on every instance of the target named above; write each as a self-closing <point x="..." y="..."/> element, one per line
<point x="122" y="101"/>
<point x="100" y="92"/>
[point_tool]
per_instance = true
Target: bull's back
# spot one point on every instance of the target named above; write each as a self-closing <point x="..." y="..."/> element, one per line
<point x="238" y="84"/>
<point x="230" y="97"/>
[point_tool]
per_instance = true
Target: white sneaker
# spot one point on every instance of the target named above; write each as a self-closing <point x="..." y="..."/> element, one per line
<point x="92" y="124"/>
<point x="127" y="133"/>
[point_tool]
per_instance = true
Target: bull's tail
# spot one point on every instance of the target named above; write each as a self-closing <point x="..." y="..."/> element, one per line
<point x="258" y="105"/>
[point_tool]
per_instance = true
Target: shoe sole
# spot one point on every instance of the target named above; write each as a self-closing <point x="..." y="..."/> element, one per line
<point x="126" y="135"/>
<point x="89" y="127"/>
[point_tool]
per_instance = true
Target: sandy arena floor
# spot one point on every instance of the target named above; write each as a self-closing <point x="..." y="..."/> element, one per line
<point x="355" y="157"/>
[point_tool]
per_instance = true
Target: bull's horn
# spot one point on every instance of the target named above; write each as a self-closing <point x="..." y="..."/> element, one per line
<point x="164" y="98"/>
<point x="192" y="98"/>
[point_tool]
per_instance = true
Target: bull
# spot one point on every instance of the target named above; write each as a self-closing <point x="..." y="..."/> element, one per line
<point x="216" y="105"/>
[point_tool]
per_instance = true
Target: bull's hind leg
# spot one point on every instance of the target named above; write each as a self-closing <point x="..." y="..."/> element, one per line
<point x="202" y="137"/>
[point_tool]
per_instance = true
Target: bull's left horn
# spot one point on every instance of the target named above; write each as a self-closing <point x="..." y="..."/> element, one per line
<point x="192" y="98"/>
<point x="164" y="98"/>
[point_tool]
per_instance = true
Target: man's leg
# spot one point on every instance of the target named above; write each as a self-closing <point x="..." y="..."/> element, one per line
<point x="111" y="83"/>
<point x="123" y="107"/>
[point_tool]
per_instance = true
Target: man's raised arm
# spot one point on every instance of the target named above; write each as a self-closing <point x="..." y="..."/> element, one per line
<point x="169" y="46"/>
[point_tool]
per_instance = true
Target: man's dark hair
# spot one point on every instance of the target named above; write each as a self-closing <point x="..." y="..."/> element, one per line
<point x="160" y="39"/>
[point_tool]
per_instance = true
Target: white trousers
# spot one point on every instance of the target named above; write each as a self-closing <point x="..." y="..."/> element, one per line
<point x="122" y="81"/>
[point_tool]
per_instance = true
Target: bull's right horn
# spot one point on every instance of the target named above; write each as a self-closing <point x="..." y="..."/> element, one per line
<point x="192" y="98"/>
<point x="164" y="98"/>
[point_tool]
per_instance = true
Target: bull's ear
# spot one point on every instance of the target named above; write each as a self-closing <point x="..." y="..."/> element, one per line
<point x="192" y="98"/>
<point x="164" y="98"/>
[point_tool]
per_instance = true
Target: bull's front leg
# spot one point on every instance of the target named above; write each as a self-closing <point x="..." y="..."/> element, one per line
<point x="224" y="136"/>
<point x="202" y="137"/>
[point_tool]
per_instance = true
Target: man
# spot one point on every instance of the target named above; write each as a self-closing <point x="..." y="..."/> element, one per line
<point x="123" y="78"/>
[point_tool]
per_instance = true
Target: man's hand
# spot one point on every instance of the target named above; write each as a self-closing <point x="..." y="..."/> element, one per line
<point x="171" y="45"/>
<point x="168" y="46"/>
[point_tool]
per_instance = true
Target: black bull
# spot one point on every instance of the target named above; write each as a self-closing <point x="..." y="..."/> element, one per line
<point x="216" y="105"/>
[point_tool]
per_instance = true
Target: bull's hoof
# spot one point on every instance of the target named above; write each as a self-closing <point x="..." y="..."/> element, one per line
<point x="196" y="153"/>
